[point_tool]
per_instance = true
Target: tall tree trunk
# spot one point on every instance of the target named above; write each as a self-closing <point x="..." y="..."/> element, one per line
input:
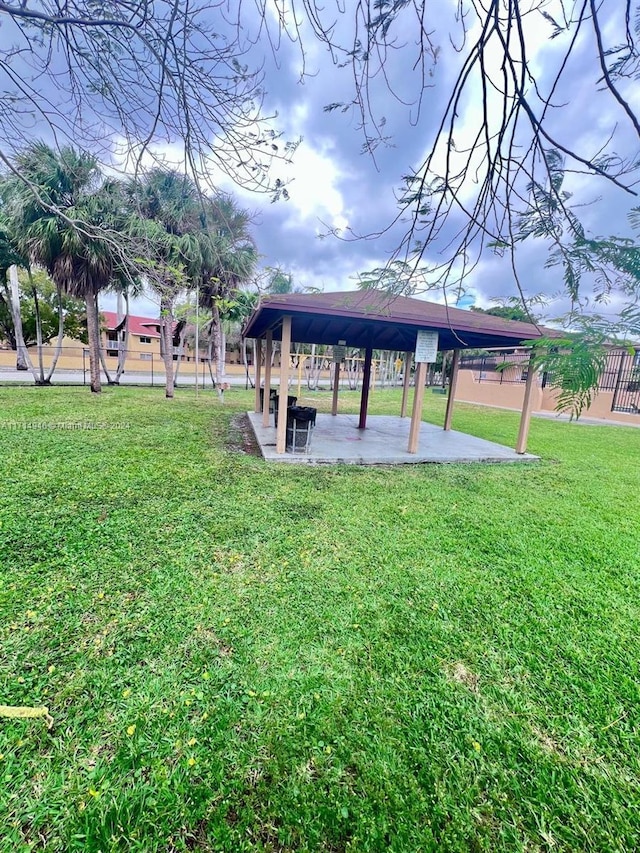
<point x="215" y="342"/>
<point x="183" y="337"/>
<point x="315" y="369"/>
<point x="166" y="337"/>
<point x="216" y="337"/>
<point x="123" y="343"/>
<point x="23" y="362"/>
<point x="250" y="383"/>
<point x="93" y="332"/>
<point x="36" y="304"/>
<point x="58" y="349"/>
<point x="103" y="361"/>
<point x="255" y="362"/>
<point x="210" y="359"/>
<point x="222" y="355"/>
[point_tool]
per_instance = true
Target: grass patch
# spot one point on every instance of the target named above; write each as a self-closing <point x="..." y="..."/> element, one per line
<point x="242" y="656"/>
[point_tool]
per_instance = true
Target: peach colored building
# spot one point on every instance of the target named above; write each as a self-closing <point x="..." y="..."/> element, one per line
<point x="144" y="353"/>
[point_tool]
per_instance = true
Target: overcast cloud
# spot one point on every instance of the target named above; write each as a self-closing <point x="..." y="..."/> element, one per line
<point x="334" y="185"/>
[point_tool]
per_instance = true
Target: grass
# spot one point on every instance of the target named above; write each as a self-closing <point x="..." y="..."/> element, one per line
<point x="241" y="656"/>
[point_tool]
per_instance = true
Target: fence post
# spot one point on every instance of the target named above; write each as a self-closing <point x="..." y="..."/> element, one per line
<point x="84" y="368"/>
<point x="152" y="370"/>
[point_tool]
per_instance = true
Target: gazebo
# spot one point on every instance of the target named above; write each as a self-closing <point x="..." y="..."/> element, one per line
<point x="372" y="319"/>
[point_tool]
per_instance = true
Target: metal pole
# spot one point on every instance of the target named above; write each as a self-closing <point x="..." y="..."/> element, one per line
<point x="152" y="370"/>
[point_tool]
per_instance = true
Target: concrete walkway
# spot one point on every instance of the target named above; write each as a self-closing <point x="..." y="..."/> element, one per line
<point x="337" y="440"/>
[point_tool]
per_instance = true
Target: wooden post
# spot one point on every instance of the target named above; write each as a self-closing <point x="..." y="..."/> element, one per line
<point x="283" y="391"/>
<point x="336" y="388"/>
<point x="408" y="357"/>
<point x="525" y="418"/>
<point x="455" y="364"/>
<point x="366" y="379"/>
<point x="267" y="380"/>
<point x="258" y="352"/>
<point x="416" y="415"/>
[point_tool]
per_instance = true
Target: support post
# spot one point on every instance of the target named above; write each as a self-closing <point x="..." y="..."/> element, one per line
<point x="525" y="418"/>
<point x="366" y="379"/>
<point x="283" y="391"/>
<point x="336" y="388"/>
<point x="258" y="366"/>
<point x="267" y="380"/>
<point x="416" y="415"/>
<point x="455" y="365"/>
<point x="406" y="381"/>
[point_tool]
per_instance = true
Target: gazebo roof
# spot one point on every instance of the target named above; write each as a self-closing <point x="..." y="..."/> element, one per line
<point x="373" y="318"/>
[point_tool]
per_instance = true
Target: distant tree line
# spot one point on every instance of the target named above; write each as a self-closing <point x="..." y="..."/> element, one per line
<point x="61" y="215"/>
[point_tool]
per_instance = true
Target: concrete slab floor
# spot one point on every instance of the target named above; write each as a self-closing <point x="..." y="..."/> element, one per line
<point x="337" y="440"/>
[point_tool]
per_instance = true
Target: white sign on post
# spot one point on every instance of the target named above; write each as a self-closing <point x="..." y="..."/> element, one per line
<point x="426" y="346"/>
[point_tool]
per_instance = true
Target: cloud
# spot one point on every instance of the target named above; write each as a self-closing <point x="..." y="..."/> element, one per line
<point x="333" y="184"/>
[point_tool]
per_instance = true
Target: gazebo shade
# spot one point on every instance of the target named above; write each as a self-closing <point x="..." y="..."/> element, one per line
<point x="372" y="318"/>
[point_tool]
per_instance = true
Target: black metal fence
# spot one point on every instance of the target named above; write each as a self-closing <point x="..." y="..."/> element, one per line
<point x="623" y="375"/>
<point x="503" y="368"/>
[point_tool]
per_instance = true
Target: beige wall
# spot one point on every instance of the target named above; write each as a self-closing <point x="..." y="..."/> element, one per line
<point x="511" y="396"/>
<point x="600" y="408"/>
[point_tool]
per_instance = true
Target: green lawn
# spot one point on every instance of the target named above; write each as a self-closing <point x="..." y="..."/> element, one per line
<point x="245" y="656"/>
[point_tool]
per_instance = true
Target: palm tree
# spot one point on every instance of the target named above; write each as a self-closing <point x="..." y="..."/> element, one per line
<point x="193" y="242"/>
<point x="229" y="262"/>
<point x="168" y="210"/>
<point x="10" y="256"/>
<point x="68" y="218"/>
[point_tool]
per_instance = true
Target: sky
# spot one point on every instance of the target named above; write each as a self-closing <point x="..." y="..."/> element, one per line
<point x="334" y="185"/>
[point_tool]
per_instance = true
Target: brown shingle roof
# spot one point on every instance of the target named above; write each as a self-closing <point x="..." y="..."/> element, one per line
<point x="374" y="318"/>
